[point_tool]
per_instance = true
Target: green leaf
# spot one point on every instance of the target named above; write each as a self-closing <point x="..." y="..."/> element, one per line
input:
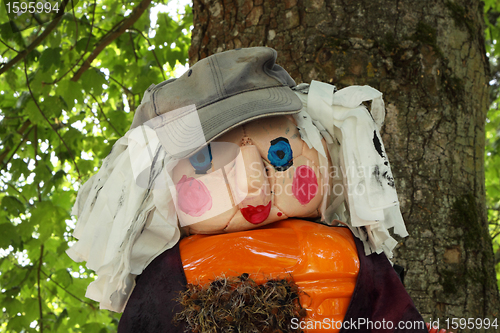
<point x="82" y="44"/>
<point x="34" y="114"/>
<point x="31" y="309"/>
<point x="11" y="78"/>
<point x="70" y="91"/>
<point x="44" y="216"/>
<point x="63" y="277"/>
<point x="13" y="306"/>
<point x="92" y="328"/>
<point x="92" y="80"/>
<point x="6" y="31"/>
<point x="119" y="70"/>
<point x="50" y="56"/>
<point x="52" y="106"/>
<point x="17" y="323"/>
<point x="9" y="236"/>
<point x="59" y="320"/>
<point x="12" y="205"/>
<point x="55" y="39"/>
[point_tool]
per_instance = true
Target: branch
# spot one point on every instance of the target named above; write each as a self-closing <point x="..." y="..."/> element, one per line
<point x="20" y="131"/>
<point x="121" y="85"/>
<point x="13" y="49"/>
<point x="154" y="54"/>
<point x="86" y="46"/>
<point x="104" y="115"/>
<point x="68" y="292"/>
<point x="19" y="192"/>
<point x="133" y="46"/>
<point x="76" y="22"/>
<point x="15" y="149"/>
<point x="35" y="147"/>
<point x="45" y="117"/>
<point x="22" y="54"/>
<point x="40" y="262"/>
<point x="114" y="34"/>
<point x="19" y="145"/>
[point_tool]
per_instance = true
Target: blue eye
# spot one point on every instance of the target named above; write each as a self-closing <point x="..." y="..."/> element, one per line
<point x="280" y="154"/>
<point x="202" y="160"/>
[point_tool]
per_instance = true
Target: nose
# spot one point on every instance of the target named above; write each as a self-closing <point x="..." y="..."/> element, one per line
<point x="252" y="192"/>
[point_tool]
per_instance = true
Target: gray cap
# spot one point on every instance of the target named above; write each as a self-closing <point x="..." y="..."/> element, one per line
<point x="222" y="91"/>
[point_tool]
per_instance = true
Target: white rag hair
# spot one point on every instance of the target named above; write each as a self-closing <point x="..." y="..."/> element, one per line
<point x="356" y="147"/>
<point x="126" y="217"/>
<point x="126" y="214"/>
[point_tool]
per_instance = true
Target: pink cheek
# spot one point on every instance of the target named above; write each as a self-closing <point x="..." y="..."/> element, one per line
<point x="305" y="184"/>
<point x="193" y="197"/>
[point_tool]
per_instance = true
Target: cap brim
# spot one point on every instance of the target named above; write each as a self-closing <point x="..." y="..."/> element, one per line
<point x="221" y="117"/>
<point x="184" y="131"/>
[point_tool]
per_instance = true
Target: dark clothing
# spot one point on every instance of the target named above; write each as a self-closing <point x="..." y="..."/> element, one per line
<point x="152" y="305"/>
<point x="379" y="297"/>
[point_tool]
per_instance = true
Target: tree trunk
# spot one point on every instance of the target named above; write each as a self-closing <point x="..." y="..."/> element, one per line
<point x="428" y="58"/>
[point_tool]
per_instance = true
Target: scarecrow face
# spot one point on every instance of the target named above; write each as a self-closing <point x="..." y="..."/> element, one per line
<point x="254" y="175"/>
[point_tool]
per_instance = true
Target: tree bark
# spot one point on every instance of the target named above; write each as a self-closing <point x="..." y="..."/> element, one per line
<point x="428" y="58"/>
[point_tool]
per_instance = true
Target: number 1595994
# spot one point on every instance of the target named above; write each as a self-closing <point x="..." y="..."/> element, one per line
<point x="32" y="7"/>
<point x="471" y="323"/>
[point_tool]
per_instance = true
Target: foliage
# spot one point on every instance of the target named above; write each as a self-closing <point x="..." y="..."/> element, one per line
<point x="63" y="103"/>
<point x="492" y="153"/>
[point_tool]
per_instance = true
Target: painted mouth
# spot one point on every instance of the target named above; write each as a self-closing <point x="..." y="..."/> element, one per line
<point x="257" y="214"/>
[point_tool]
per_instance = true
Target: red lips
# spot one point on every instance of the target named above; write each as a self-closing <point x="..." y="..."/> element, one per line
<point x="256" y="215"/>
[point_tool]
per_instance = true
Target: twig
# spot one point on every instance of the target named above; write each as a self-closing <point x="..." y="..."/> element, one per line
<point x="15" y="149"/>
<point x="154" y="54"/>
<point x="35" y="147"/>
<point x="86" y="46"/>
<point x="13" y="49"/>
<point x="23" y="128"/>
<point x="114" y="34"/>
<point x="67" y="291"/>
<point x="40" y="262"/>
<point x="45" y="117"/>
<point x="22" y="54"/>
<point x="19" y="192"/>
<point x="76" y="22"/>
<point x="104" y="115"/>
<point x="121" y="85"/>
<point x="133" y="46"/>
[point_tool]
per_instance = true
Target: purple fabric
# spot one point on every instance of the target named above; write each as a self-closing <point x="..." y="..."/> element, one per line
<point x="379" y="296"/>
<point x="151" y="307"/>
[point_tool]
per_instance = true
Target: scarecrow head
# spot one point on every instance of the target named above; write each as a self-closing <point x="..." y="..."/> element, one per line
<point x="233" y="144"/>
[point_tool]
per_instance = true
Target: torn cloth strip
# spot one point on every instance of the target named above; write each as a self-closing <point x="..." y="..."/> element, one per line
<point x="371" y="193"/>
<point x="126" y="217"/>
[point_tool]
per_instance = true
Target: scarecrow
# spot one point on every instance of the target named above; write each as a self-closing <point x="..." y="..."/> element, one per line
<point x="254" y="174"/>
